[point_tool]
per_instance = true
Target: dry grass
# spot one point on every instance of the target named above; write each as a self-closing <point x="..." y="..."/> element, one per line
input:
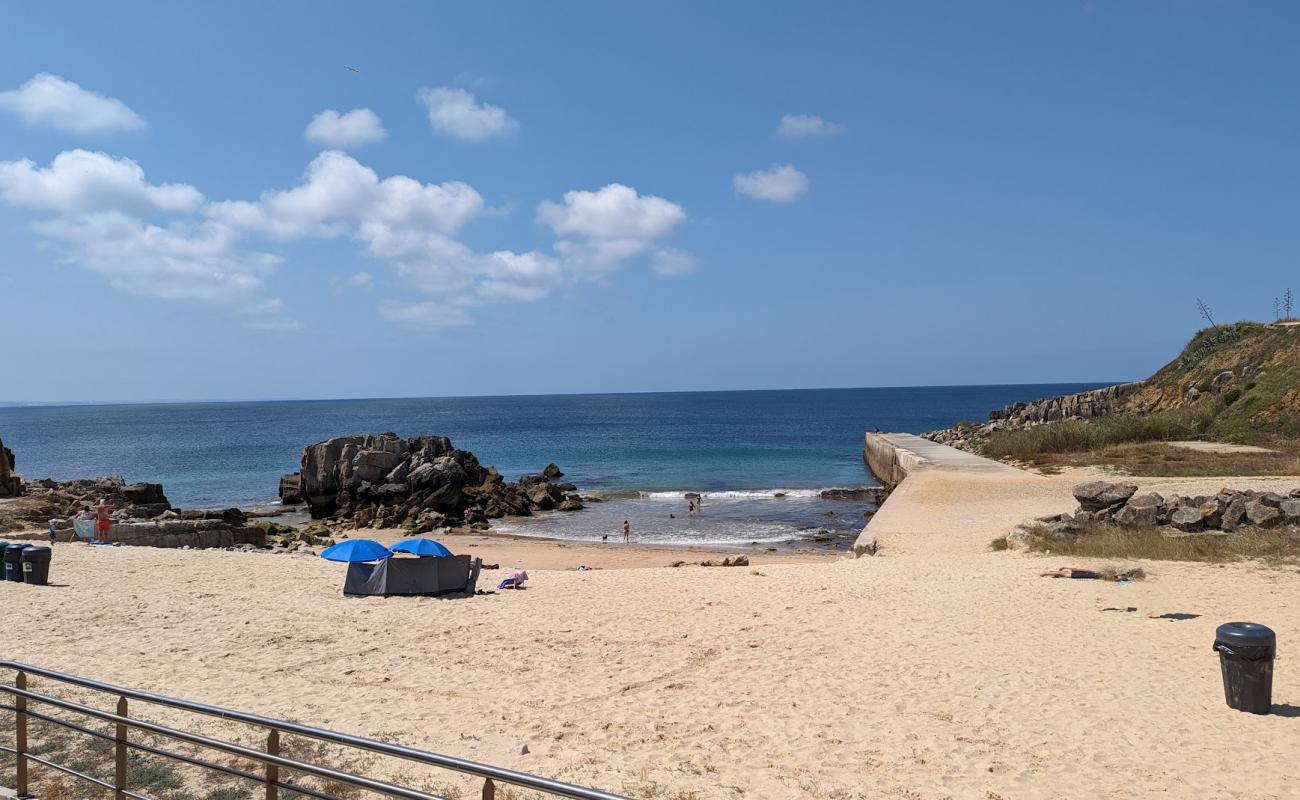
<point x="1156" y="459"/>
<point x="1275" y="546"/>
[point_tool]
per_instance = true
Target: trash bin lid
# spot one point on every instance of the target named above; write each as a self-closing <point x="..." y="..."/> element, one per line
<point x="1245" y="634"/>
<point x="16" y="549"/>
<point x="36" y="553"/>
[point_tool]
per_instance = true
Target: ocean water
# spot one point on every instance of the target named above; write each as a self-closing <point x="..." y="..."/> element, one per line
<point x="640" y="451"/>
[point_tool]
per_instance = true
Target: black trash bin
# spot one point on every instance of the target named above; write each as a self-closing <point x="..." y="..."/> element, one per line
<point x="1246" y="651"/>
<point x="13" y="562"/>
<point x="36" y="565"/>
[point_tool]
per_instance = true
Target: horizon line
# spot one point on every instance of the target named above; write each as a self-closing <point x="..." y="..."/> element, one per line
<point x="201" y="401"/>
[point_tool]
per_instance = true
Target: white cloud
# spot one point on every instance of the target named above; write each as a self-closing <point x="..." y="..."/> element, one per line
<point x="180" y="261"/>
<point x="102" y="211"/>
<point x="51" y="101"/>
<point x="611" y="224"/>
<point x="79" y="181"/>
<point x="427" y="314"/>
<point x="804" y="126"/>
<point x="356" y="127"/>
<point x="455" y="112"/>
<point x="669" y="262"/>
<point x="780" y="183"/>
<point x="338" y="192"/>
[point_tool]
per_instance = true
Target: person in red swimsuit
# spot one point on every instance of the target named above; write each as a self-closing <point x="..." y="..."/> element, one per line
<point x="102" y="522"/>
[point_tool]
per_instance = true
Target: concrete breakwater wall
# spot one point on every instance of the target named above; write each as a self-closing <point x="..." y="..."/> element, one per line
<point x="180" y="533"/>
<point x="892" y="457"/>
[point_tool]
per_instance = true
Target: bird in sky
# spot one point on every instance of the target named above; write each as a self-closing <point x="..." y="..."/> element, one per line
<point x="350" y="68"/>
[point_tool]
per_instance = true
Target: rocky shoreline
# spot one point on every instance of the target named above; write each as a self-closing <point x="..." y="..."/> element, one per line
<point x="1120" y="504"/>
<point x="1079" y="406"/>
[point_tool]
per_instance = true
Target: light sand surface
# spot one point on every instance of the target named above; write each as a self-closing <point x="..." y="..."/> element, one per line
<point x="1220" y="447"/>
<point x="937" y="669"/>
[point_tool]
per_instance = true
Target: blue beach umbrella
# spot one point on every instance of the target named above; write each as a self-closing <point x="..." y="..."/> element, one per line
<point x="356" y="550"/>
<point x="421" y="547"/>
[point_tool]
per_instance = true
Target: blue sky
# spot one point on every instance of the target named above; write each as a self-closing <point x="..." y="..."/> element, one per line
<point x="965" y="193"/>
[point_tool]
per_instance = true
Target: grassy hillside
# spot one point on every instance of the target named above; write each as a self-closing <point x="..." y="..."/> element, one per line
<point x="1235" y="383"/>
<point x="1258" y="400"/>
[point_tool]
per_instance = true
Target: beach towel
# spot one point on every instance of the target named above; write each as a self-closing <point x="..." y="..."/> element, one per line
<point x="85" y="528"/>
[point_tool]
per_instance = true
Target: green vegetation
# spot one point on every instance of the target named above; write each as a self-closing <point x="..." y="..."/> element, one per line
<point x="1078" y="436"/>
<point x="998" y="544"/>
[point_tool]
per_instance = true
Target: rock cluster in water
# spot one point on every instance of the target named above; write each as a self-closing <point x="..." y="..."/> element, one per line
<point x="1121" y="504"/>
<point x="420" y="484"/>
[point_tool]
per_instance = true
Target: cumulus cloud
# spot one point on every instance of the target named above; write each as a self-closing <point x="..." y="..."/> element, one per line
<point x="179" y="261"/>
<point x="670" y="262"/>
<point x="50" y="101"/>
<point x="609" y="225"/>
<point x="102" y="211"/>
<point x="338" y="192"/>
<point x="356" y="127"/>
<point x="805" y="126"/>
<point x="456" y="112"/>
<point x="780" y="183"/>
<point x="79" y="181"/>
<point x="167" y="241"/>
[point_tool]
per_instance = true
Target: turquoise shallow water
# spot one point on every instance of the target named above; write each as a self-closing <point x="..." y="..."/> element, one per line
<point x="743" y="445"/>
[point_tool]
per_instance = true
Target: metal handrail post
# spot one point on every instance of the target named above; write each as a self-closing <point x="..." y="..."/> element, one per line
<point x="489" y="789"/>
<point x="120" y="754"/>
<point x="272" y="770"/>
<point x="20" y="735"/>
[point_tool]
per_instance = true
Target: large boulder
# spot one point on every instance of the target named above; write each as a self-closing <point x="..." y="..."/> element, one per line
<point x="291" y="489"/>
<point x="1187" y="519"/>
<point x="10" y="484"/>
<point x="1290" y="511"/>
<point x="1234" y="516"/>
<point x="1096" y="495"/>
<point x="1261" y="515"/>
<point x="1133" y="516"/>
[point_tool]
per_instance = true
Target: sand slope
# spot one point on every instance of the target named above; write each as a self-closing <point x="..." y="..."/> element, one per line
<point x="948" y="675"/>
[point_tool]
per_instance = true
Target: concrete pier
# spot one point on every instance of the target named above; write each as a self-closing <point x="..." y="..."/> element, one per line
<point x="896" y="457"/>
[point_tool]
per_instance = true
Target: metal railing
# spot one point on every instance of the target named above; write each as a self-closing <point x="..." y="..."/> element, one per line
<point x="270" y="758"/>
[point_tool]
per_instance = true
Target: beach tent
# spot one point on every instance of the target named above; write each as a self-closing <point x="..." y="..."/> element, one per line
<point x="413" y="576"/>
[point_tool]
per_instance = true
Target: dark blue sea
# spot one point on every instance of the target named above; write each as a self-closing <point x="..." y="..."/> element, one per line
<point x="641" y="451"/>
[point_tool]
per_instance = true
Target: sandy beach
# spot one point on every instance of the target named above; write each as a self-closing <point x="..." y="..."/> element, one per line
<point x="937" y="669"/>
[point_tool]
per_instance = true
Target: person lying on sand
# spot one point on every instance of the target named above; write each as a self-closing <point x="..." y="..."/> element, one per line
<point x="1069" y="572"/>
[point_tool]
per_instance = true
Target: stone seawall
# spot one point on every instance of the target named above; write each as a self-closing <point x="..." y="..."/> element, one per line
<point x="893" y="457"/>
<point x="197" y="534"/>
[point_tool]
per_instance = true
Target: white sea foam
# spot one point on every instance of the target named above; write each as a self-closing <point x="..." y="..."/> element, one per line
<point x="734" y="494"/>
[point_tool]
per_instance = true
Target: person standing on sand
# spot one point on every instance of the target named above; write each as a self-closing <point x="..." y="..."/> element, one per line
<point x="627" y="531"/>
<point x="102" y="522"/>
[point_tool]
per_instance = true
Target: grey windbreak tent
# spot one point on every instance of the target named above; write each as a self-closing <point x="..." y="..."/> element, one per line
<point x="413" y="576"/>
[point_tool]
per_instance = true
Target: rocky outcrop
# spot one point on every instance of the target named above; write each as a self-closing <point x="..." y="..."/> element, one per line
<point x="419" y="484"/>
<point x="1080" y="406"/>
<point x="291" y="489"/>
<point x="129" y="500"/>
<point x="10" y="484"/>
<point x="1118" y="504"/>
<point x="1083" y="405"/>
